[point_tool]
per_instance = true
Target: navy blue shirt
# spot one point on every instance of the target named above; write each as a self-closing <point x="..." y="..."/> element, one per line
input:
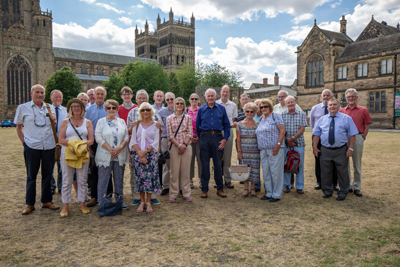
<point x="213" y="119"/>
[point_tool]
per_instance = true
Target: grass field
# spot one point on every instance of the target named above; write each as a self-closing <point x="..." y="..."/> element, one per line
<point x="299" y="230"/>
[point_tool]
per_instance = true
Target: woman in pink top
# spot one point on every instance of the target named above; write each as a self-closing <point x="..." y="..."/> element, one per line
<point x="192" y="112"/>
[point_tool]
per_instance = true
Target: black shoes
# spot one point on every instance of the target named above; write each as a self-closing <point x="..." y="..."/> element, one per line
<point x="165" y="192"/>
<point x="265" y="198"/>
<point x="327" y="196"/>
<point x="358" y="193"/>
<point x="318" y="187"/>
<point x="335" y="188"/>
<point x="340" y="198"/>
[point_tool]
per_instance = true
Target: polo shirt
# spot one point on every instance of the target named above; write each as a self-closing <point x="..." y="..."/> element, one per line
<point x="360" y="116"/>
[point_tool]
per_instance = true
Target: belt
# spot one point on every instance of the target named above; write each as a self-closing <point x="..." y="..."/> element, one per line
<point x="334" y="148"/>
<point x="211" y="132"/>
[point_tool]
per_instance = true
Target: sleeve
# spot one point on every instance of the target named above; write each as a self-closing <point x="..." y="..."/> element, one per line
<point x="225" y="124"/>
<point x="312" y="117"/>
<point x="170" y="134"/>
<point x="87" y="114"/>
<point x="189" y="126"/>
<point x="129" y="118"/>
<point x="19" y="118"/>
<point x="317" y="129"/>
<point x="235" y="112"/>
<point x="158" y="118"/>
<point x="98" y="134"/>
<point x="198" y="122"/>
<point x="367" y="117"/>
<point x="155" y="143"/>
<point x="298" y="107"/>
<point x="126" y="137"/>
<point x="303" y="119"/>
<point x="352" y="130"/>
<point x="133" y="139"/>
<point x="278" y="118"/>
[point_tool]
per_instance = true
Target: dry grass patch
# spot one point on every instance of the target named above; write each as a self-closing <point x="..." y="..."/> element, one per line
<point x="299" y="230"/>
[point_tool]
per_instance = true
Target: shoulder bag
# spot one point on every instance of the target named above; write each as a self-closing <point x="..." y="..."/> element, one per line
<point x="239" y="172"/>
<point x="57" y="153"/>
<point x="107" y="207"/>
<point x="165" y="155"/>
<point x="92" y="162"/>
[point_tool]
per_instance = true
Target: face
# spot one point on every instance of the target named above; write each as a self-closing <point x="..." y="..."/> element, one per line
<point x="250" y="113"/>
<point x="244" y="100"/>
<point x="111" y="110"/>
<point x="126" y="96"/>
<point x="333" y="107"/>
<point x="170" y="101"/>
<point x="141" y="99"/>
<point x="326" y="96"/>
<point x="90" y="93"/>
<point x="225" y="92"/>
<point x="264" y="107"/>
<point x="145" y="112"/>
<point x="210" y="97"/>
<point x="100" y="95"/>
<point x="76" y="109"/>
<point x="179" y="106"/>
<point x="351" y="98"/>
<point x="158" y="97"/>
<point x="37" y="95"/>
<point x="257" y="102"/>
<point x="57" y="99"/>
<point x="291" y="104"/>
<point x="194" y="100"/>
<point x="84" y="100"/>
<point x="281" y="97"/>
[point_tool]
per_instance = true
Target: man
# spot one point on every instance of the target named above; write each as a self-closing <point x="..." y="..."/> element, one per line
<point x="56" y="98"/>
<point x="158" y="100"/>
<point x="259" y="113"/>
<point x="335" y="130"/>
<point x="244" y="99"/>
<point x="133" y="116"/>
<point x="211" y="121"/>
<point x="231" y="111"/>
<point x="127" y="105"/>
<point x="92" y="99"/>
<point x="164" y="113"/>
<point x="362" y="119"/>
<point x="94" y="113"/>
<point x="317" y="112"/>
<point x="295" y="123"/>
<point x="35" y="132"/>
<point x="281" y="106"/>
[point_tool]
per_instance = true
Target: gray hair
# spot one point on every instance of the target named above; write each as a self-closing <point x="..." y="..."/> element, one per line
<point x="56" y="91"/>
<point x="351" y="90"/>
<point x="100" y="87"/>
<point x="169" y="93"/>
<point x="37" y="85"/>
<point x="334" y="99"/>
<point x="252" y="106"/>
<point x="327" y="90"/>
<point x="194" y="94"/>
<point x="244" y="94"/>
<point x="210" y="89"/>
<point x="142" y="92"/>
<point x="290" y="97"/>
<point x="283" y="91"/>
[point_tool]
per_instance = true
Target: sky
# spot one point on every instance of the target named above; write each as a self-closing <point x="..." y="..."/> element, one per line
<point x="254" y="37"/>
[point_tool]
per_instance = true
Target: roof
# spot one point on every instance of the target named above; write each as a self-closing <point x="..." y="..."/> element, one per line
<point x="337" y="37"/>
<point x="92" y="77"/>
<point x="376" y="29"/>
<point x="382" y="43"/>
<point x="80" y="55"/>
<point x="271" y="88"/>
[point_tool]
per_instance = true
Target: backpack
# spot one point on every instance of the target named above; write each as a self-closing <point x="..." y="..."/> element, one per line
<point x="292" y="162"/>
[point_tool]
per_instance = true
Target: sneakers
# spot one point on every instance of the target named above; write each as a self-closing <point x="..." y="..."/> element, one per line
<point x="124" y="206"/>
<point x="155" y="201"/>
<point x="135" y="202"/>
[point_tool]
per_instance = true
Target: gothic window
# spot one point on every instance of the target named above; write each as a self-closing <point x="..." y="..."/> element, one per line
<point x="88" y="86"/>
<point x="177" y="60"/>
<point x="99" y="71"/>
<point x="315" y="71"/>
<point x="377" y="102"/>
<point x="140" y="50"/>
<point x="386" y="66"/>
<point x="44" y="22"/>
<point x="83" y="70"/>
<point x="61" y="66"/>
<point x="342" y="73"/>
<point x="362" y="70"/>
<point x="18" y="81"/>
<point x="183" y="59"/>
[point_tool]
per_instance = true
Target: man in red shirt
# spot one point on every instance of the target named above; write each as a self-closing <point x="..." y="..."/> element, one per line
<point x="126" y="95"/>
<point x="362" y="119"/>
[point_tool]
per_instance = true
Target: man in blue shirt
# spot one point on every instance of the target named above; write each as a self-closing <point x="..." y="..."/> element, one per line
<point x="211" y="121"/>
<point x="334" y="130"/>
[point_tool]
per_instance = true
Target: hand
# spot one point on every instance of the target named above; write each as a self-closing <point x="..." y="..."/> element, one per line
<point x="91" y="151"/>
<point x="316" y="151"/>
<point x="239" y="155"/>
<point x="195" y="140"/>
<point x="181" y="149"/>
<point x="290" y="142"/>
<point x="276" y="150"/>
<point x="349" y="153"/>
<point x="143" y="160"/>
<point x="222" y="144"/>
<point x="133" y="124"/>
<point x="115" y="151"/>
<point x="158" y="125"/>
<point x="142" y="153"/>
<point x="53" y="117"/>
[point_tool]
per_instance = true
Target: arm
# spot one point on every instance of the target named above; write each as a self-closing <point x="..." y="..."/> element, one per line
<point x="349" y="152"/>
<point x="89" y="127"/>
<point x="297" y="135"/>
<point x="198" y="123"/>
<point x="61" y="135"/>
<point x="20" y="132"/>
<point x="280" y="139"/>
<point x="312" y="118"/>
<point x="366" y="129"/>
<point x="315" y="146"/>
<point x="239" y="143"/>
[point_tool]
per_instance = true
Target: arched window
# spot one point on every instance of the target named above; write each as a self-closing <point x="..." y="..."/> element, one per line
<point x="315" y="71"/>
<point x="88" y="86"/>
<point x="177" y="60"/>
<point x="99" y="71"/>
<point x="18" y="81"/>
<point x="61" y="66"/>
<point x="83" y="70"/>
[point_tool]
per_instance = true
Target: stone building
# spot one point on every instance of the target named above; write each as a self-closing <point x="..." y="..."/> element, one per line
<point x="27" y="55"/>
<point x="172" y="44"/>
<point x="234" y="94"/>
<point x="333" y="60"/>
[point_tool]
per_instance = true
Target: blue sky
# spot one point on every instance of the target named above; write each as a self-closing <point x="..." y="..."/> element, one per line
<point x="254" y="37"/>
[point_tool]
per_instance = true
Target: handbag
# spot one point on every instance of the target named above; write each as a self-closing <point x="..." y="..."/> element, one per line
<point x="57" y="153"/>
<point x="92" y="162"/>
<point x="106" y="206"/>
<point x="163" y="156"/>
<point x="240" y="172"/>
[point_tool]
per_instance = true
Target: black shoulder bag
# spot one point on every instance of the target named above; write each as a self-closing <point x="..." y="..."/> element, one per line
<point x="106" y="206"/>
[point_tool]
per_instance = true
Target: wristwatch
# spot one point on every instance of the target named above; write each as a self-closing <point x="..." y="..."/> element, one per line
<point x="148" y="150"/>
<point x="294" y="138"/>
<point x="185" y="144"/>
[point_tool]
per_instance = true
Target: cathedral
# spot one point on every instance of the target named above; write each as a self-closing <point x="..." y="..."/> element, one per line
<point x="27" y="55"/>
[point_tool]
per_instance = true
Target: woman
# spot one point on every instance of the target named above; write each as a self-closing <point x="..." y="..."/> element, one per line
<point x="144" y="146"/>
<point x="84" y="98"/>
<point x="181" y="152"/>
<point x="270" y="133"/>
<point x="112" y="151"/>
<point x="192" y="112"/>
<point x="248" y="150"/>
<point x="75" y="128"/>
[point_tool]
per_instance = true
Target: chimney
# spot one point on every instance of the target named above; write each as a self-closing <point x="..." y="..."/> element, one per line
<point x="265" y="81"/>
<point x="384" y="23"/>
<point x="276" y="79"/>
<point x="343" y="22"/>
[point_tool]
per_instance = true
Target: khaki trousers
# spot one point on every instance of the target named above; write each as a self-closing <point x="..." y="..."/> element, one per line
<point x="228" y="157"/>
<point x="355" y="182"/>
<point x="68" y="177"/>
<point x="180" y="172"/>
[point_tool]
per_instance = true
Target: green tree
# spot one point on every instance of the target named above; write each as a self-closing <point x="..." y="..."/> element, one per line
<point x="174" y="84"/>
<point x="188" y="80"/>
<point x="214" y="75"/>
<point x="67" y="82"/>
<point x="113" y="87"/>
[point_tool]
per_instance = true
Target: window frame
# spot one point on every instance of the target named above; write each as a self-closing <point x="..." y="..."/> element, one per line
<point x="342" y="73"/>
<point x="375" y="104"/>
<point x="384" y="68"/>
<point x="362" y="70"/>
<point x="315" y="71"/>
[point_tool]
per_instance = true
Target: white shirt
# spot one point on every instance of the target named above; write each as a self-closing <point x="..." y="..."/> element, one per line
<point x="231" y="109"/>
<point x="40" y="135"/>
<point x="62" y="114"/>
<point x="279" y="109"/>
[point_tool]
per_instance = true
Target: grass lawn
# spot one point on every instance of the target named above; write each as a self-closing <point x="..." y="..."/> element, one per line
<point x="299" y="230"/>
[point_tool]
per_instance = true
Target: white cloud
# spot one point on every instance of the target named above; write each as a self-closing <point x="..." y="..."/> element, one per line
<point x="88" y="1"/>
<point x="126" y="21"/>
<point x="103" y="37"/>
<point x="212" y="41"/>
<point x="302" y="17"/>
<point x="138" y="6"/>
<point x="334" y="5"/>
<point x="298" y="33"/>
<point x="108" y="7"/>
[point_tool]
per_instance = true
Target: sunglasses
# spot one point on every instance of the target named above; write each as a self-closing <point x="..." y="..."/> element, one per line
<point x="194" y="99"/>
<point x="266" y="106"/>
<point x="250" y="111"/>
<point x="169" y="99"/>
<point x="111" y="108"/>
<point x="145" y="109"/>
<point x="179" y="104"/>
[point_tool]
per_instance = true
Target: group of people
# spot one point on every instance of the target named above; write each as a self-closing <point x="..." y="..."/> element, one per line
<point x="161" y="144"/>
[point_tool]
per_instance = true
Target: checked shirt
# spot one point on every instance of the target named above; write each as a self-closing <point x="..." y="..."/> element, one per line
<point x="293" y="123"/>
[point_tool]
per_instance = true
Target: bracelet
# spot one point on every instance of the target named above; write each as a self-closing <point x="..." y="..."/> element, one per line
<point x="240" y="151"/>
<point x="179" y="146"/>
<point x="148" y="150"/>
<point x="184" y="143"/>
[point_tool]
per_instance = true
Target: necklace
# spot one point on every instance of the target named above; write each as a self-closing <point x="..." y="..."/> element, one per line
<point x="247" y="129"/>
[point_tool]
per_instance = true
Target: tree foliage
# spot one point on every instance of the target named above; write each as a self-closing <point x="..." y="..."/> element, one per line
<point x="214" y="75"/>
<point x="188" y="79"/>
<point x="67" y="82"/>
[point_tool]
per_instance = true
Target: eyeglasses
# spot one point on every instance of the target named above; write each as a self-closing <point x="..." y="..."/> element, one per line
<point x="194" y="99"/>
<point x="113" y="108"/>
<point x="281" y="96"/>
<point x="34" y="119"/>
<point x="266" y="106"/>
<point x="145" y="109"/>
<point x="126" y="94"/>
<point x="179" y="104"/>
<point x="250" y="111"/>
<point x="75" y="106"/>
<point x="169" y="99"/>
<point x="351" y="96"/>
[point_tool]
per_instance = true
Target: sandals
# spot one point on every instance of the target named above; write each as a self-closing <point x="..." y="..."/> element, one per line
<point x="141" y="207"/>
<point x="253" y="193"/>
<point x="191" y="184"/>
<point x="245" y="193"/>
<point x="148" y="207"/>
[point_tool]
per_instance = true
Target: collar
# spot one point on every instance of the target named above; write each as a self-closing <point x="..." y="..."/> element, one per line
<point x="355" y="107"/>
<point x="130" y="106"/>
<point x="102" y="106"/>
<point x="222" y="103"/>
<point x="43" y="104"/>
<point x="176" y="116"/>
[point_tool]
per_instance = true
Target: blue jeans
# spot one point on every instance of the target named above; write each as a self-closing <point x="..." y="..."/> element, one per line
<point x="272" y="167"/>
<point x="33" y="158"/>
<point x="59" y="178"/>
<point x="300" y="176"/>
<point x="209" y="146"/>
